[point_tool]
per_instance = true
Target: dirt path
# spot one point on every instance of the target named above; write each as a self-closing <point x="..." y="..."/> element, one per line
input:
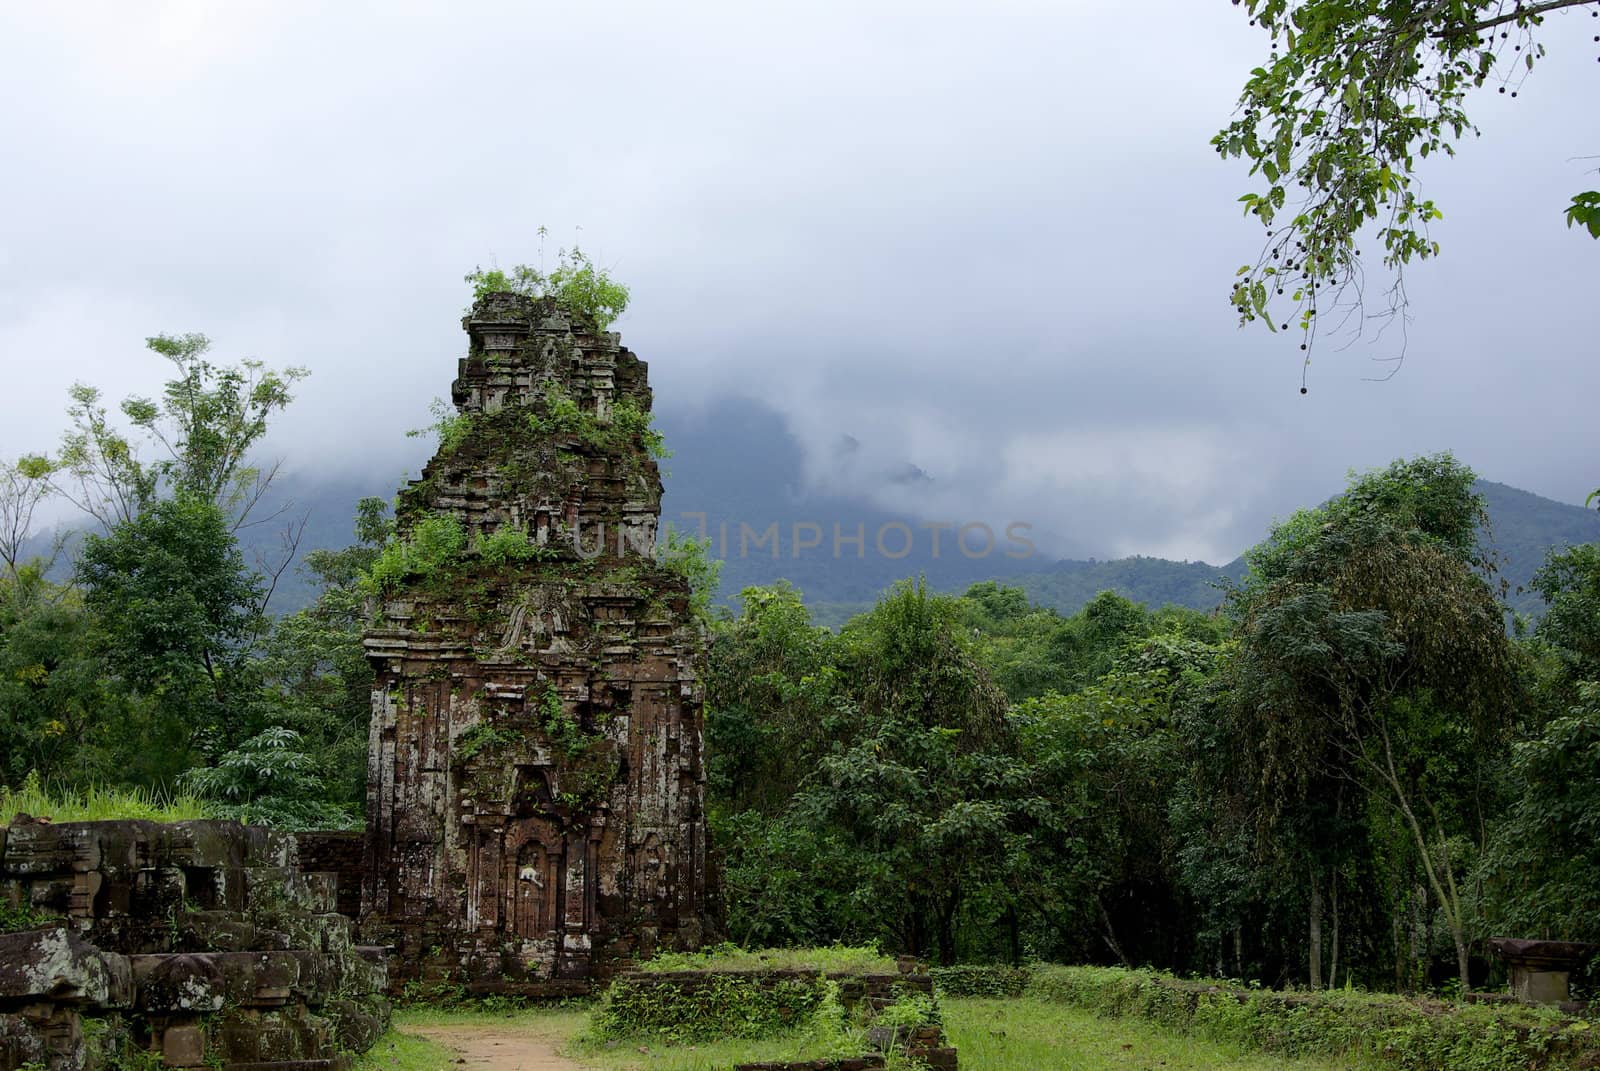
<point x="488" y="1049"/>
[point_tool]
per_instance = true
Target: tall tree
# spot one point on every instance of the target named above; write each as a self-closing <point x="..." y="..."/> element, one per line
<point x="1373" y="654"/>
<point x="24" y="484"/>
<point x="207" y="420"/>
<point x="176" y="612"/>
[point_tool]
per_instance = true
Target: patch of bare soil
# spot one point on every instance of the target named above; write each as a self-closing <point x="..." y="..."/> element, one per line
<point x="487" y="1049"/>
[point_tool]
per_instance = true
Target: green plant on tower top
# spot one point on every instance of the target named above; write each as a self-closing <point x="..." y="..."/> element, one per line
<point x="576" y="284"/>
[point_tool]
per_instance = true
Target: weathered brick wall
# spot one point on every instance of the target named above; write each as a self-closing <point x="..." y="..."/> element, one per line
<point x="535" y="788"/>
<point x="201" y="942"/>
<point x="336" y="852"/>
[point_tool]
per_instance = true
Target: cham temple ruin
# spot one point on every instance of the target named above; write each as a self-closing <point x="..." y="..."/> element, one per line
<point x="535" y="784"/>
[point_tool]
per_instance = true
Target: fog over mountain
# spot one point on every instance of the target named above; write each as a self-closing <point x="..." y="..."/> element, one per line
<point x="915" y="233"/>
<point x="738" y="475"/>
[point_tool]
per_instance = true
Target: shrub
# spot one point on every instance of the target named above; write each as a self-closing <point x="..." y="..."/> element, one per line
<point x="433" y="545"/>
<point x="852" y="959"/>
<point x="980" y="980"/>
<point x="717" y="1006"/>
<point x="478" y="739"/>
<point x="635" y="423"/>
<point x="576" y="285"/>
<point x="1377" y="1031"/>
<point x="509" y="543"/>
<point x="691" y="559"/>
<point x="449" y="427"/>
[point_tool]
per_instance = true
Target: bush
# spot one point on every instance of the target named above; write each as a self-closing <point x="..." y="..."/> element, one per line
<point x="1377" y="1031"/>
<point x="851" y="959"/>
<point x="576" y="285"/>
<point x="980" y="980"/>
<point x="710" y="1007"/>
<point x="433" y="545"/>
<point x="509" y="543"/>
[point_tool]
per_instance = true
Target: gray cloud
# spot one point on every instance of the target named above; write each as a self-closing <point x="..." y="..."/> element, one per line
<point x="988" y="241"/>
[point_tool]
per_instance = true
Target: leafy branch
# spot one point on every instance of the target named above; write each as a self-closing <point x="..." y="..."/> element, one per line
<point x="1355" y="94"/>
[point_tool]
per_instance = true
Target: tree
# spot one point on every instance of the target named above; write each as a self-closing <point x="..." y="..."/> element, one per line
<point x="58" y="712"/>
<point x="206" y="422"/>
<point x="316" y="686"/>
<point x="772" y="702"/>
<point x="1544" y="865"/>
<point x="1569" y="581"/>
<point x="1372" y="653"/>
<point x="176" y="612"/>
<point x="24" y="484"/>
<point x="1354" y="95"/>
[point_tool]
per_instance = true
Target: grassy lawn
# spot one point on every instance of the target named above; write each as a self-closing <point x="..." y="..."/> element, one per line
<point x="992" y="1035"/>
<point x="400" y="1051"/>
<point x="1034" y="1035"/>
<point x="728" y="958"/>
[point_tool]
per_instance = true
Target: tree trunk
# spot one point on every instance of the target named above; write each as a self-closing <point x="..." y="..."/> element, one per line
<point x="1316" y="931"/>
<point x="1397" y="927"/>
<point x="1461" y="958"/>
<point x="1333" y="967"/>
<point x="1444" y="885"/>
<point x="1111" y="933"/>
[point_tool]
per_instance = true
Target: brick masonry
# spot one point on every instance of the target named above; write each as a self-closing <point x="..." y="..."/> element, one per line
<point x="337" y="852"/>
<point x="536" y="789"/>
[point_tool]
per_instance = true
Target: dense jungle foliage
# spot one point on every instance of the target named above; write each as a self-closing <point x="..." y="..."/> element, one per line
<point x="1351" y="774"/>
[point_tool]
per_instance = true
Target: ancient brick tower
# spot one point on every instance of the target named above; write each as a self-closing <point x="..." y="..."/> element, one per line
<point x="535" y="792"/>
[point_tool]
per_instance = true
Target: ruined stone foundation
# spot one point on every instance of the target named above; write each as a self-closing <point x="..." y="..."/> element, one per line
<point x="535" y="789"/>
<point x="199" y="943"/>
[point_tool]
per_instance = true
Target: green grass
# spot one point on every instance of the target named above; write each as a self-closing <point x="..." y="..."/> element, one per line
<point x="704" y="1056"/>
<point x="1026" y="1034"/>
<point x="399" y="1051"/>
<point x="855" y="960"/>
<point x="96" y="803"/>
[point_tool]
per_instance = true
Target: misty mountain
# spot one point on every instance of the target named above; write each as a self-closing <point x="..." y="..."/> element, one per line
<point x="738" y="476"/>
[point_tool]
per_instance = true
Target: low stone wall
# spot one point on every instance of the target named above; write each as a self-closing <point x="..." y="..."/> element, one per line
<point x="854" y="1063"/>
<point x="868" y="994"/>
<point x="203" y="943"/>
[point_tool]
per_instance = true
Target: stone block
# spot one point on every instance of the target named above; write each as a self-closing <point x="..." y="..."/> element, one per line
<point x="138" y="942"/>
<point x="183" y="982"/>
<point x="183" y="1046"/>
<point x="215" y="931"/>
<point x="203" y="843"/>
<point x="57" y="965"/>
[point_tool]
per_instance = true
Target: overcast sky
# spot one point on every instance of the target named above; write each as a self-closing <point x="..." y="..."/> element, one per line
<point x="988" y="239"/>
